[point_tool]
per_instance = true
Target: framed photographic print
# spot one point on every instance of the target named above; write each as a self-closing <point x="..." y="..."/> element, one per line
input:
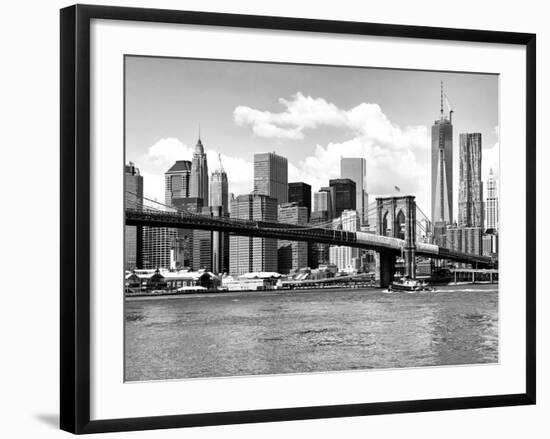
<point x="268" y="218"/>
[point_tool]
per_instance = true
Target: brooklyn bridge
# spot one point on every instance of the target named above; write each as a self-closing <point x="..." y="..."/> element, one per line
<point x="398" y="232"/>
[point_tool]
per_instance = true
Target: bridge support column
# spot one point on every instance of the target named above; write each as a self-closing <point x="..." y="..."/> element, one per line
<point x="396" y="217"/>
<point x="386" y="268"/>
<point x="409" y="255"/>
<point x="409" y="252"/>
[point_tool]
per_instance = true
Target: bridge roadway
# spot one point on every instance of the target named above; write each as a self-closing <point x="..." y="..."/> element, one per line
<point x="292" y="232"/>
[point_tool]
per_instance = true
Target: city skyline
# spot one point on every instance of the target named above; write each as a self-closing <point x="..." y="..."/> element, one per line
<point x="310" y="124"/>
<point x="206" y="250"/>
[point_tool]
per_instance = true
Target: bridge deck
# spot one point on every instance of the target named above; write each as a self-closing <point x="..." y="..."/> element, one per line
<point x="292" y="232"/>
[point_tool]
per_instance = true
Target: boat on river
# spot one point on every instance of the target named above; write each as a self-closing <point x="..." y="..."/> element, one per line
<point x="409" y="285"/>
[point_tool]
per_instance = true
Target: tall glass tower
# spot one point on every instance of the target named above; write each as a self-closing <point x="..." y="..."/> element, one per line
<point x="442" y="168"/>
<point x="355" y="168"/>
<point x="271" y="176"/>
<point x="470" y="191"/>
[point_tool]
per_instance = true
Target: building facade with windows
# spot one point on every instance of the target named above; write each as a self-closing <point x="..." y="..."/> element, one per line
<point x="219" y="189"/>
<point x="470" y="190"/>
<point x="491" y="206"/>
<point x="133" y="235"/>
<point x="271" y="176"/>
<point x="342" y="192"/>
<point x="300" y="192"/>
<point x="250" y="254"/>
<point x="177" y="181"/>
<point x="355" y="168"/>
<point x="322" y="201"/>
<point x="347" y="258"/>
<point x="292" y="255"/>
<point x="159" y="246"/>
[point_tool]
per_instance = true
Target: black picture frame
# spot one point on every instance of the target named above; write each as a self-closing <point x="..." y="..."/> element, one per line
<point x="75" y="217"/>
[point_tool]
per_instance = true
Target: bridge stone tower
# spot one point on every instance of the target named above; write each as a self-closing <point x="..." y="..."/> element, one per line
<point x="396" y="217"/>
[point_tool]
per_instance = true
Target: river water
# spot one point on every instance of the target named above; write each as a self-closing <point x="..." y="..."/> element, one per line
<point x="233" y="334"/>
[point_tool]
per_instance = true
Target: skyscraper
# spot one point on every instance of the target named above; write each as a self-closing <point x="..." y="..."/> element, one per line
<point x="271" y="176"/>
<point x="220" y="245"/>
<point x="199" y="174"/>
<point x="490" y="244"/>
<point x="492" y="202"/>
<point x="158" y="247"/>
<point x="454" y="238"/>
<point x="211" y="248"/>
<point x="319" y="252"/>
<point x="342" y="192"/>
<point x="292" y="255"/>
<point x="177" y="189"/>
<point x="442" y="168"/>
<point x="472" y="240"/>
<point x="346" y="258"/>
<point x="183" y="247"/>
<point x="322" y="201"/>
<point x="470" y="192"/>
<point x="249" y="254"/>
<point x="219" y="206"/>
<point x="300" y="193"/>
<point x="133" y="235"/>
<point x="176" y="181"/>
<point x="219" y="193"/>
<point x="355" y="168"/>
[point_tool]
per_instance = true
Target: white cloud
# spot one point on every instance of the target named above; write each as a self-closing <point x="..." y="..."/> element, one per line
<point x="153" y="186"/>
<point x="166" y="151"/>
<point x="301" y="112"/>
<point x="305" y="112"/>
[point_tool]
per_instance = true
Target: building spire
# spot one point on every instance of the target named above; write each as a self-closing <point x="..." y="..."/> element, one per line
<point x="199" y="148"/>
<point x="220" y="160"/>
<point x="441" y="100"/>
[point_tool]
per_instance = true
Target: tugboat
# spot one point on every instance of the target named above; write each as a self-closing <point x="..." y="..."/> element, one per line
<point x="409" y="285"/>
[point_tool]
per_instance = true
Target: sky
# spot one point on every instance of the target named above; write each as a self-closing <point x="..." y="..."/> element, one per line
<point x="312" y="115"/>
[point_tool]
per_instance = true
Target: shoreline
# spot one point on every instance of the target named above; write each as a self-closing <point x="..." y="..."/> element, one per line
<point x="212" y="294"/>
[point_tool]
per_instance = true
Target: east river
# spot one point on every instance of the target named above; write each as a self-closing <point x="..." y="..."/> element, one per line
<point x="231" y="334"/>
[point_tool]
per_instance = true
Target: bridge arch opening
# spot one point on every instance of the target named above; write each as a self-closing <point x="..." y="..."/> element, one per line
<point x="386" y="227"/>
<point x="400" y="225"/>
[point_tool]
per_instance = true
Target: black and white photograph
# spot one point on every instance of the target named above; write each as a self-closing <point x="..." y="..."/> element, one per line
<point x="296" y="218"/>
